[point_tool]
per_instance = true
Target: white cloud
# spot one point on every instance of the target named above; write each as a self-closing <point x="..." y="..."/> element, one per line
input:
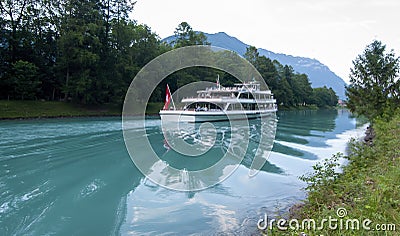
<point x="334" y="32"/>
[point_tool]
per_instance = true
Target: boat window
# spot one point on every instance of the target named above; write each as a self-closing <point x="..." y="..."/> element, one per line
<point x="204" y="106"/>
<point x="246" y="96"/>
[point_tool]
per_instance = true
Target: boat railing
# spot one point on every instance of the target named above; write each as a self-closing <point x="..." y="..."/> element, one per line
<point x="208" y="96"/>
<point x="230" y="97"/>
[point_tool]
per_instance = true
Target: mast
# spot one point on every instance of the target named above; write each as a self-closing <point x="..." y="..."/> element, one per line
<point x="172" y="100"/>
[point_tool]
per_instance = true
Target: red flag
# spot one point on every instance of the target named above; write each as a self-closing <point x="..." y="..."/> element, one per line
<point x="167" y="98"/>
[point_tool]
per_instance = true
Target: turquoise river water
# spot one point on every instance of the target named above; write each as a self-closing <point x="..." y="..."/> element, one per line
<point x="75" y="177"/>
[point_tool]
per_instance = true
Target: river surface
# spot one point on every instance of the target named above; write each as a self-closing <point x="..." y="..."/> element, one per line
<point x="75" y="177"/>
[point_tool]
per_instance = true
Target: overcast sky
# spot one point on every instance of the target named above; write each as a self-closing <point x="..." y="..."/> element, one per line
<point x="333" y="32"/>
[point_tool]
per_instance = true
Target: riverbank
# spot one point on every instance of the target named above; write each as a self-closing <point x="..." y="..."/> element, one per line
<point x="365" y="196"/>
<point x="54" y="109"/>
<point x="295" y="108"/>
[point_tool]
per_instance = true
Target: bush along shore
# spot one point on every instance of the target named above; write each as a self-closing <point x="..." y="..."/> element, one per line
<point x="363" y="198"/>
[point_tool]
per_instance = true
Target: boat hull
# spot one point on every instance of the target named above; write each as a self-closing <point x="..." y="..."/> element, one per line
<point x="210" y="116"/>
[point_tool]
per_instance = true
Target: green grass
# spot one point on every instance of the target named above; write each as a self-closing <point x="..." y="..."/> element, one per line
<point x="48" y="109"/>
<point x="41" y="109"/>
<point x="368" y="187"/>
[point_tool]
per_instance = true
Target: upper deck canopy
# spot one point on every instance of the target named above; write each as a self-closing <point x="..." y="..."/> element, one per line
<point x="250" y="87"/>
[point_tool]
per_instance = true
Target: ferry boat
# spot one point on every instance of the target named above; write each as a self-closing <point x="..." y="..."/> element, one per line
<point x="241" y="101"/>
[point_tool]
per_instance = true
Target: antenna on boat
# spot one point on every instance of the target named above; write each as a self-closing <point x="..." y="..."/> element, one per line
<point x="218" y="84"/>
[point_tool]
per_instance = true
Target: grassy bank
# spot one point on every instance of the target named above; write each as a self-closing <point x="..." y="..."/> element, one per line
<point x="49" y="109"/>
<point x="368" y="188"/>
<point x="41" y="109"/>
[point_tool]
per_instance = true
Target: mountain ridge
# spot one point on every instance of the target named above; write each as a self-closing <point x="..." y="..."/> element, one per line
<point x="319" y="74"/>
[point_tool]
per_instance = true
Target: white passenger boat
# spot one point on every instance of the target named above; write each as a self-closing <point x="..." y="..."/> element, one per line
<point x="242" y="101"/>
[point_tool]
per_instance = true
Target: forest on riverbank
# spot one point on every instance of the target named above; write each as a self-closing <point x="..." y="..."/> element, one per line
<point x="88" y="52"/>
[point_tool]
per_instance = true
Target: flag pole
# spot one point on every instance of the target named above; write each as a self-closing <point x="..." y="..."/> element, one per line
<point x="172" y="100"/>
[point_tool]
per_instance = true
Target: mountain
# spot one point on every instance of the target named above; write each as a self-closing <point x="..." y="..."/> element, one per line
<point x="319" y="74"/>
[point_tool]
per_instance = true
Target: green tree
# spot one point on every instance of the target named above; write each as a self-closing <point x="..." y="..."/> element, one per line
<point x="374" y="83"/>
<point x="80" y="48"/>
<point x="284" y="93"/>
<point x="27" y="35"/>
<point x="24" y="80"/>
<point x="268" y="71"/>
<point x="252" y="55"/>
<point x="302" y="90"/>
<point x="324" y="97"/>
<point x="15" y="15"/>
<point x="5" y="86"/>
<point x="135" y="46"/>
<point x="87" y="51"/>
<point x="185" y="36"/>
<point x="333" y="97"/>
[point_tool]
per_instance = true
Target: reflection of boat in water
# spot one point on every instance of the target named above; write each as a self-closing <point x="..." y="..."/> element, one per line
<point x="205" y="153"/>
<point x="242" y="101"/>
